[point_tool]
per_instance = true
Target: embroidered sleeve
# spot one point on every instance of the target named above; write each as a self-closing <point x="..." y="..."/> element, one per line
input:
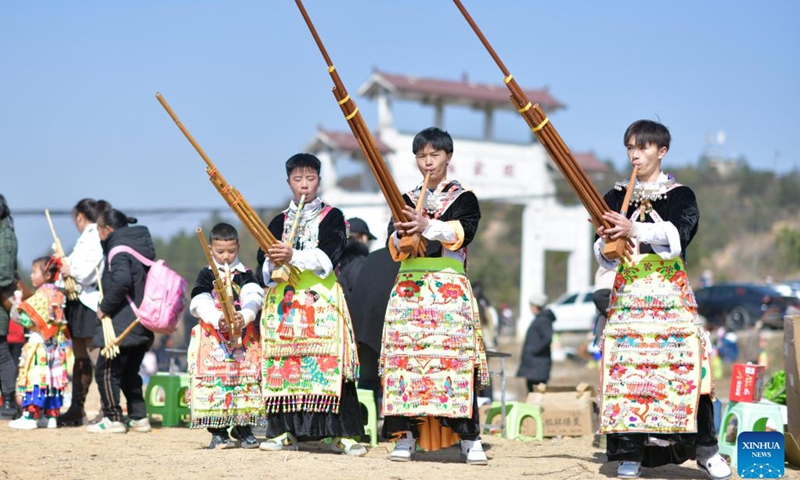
<point x="445" y="232"/>
<point x="394" y="247"/>
<point x="465" y="211"/>
<point x="203" y="307"/>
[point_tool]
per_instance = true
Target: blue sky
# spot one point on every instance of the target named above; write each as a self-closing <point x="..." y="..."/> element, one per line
<point x="78" y="115"/>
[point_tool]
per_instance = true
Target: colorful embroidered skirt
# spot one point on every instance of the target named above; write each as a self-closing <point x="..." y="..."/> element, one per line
<point x="225" y="384"/>
<point x="655" y="364"/>
<point x="432" y="342"/>
<point x="308" y="345"/>
<point x="43" y="371"/>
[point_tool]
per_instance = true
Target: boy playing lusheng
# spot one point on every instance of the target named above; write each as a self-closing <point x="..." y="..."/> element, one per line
<point x="656" y="403"/>
<point x="432" y="357"/>
<point x="225" y="380"/>
<point x="309" y="353"/>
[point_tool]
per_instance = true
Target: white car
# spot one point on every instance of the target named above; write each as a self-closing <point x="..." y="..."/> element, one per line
<point x="574" y="311"/>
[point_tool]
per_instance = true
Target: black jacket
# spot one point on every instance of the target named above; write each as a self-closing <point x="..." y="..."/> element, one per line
<point x="370" y="297"/>
<point x="536" y="362"/>
<point x="353" y="258"/>
<point x="332" y="239"/>
<point x="205" y="282"/>
<point x="465" y="209"/>
<point x="679" y="207"/>
<point x="125" y="276"/>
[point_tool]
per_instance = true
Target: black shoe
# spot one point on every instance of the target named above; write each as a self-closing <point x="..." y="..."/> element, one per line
<point x="73" y="418"/>
<point x="245" y="436"/>
<point x="221" y="441"/>
<point x="10" y="410"/>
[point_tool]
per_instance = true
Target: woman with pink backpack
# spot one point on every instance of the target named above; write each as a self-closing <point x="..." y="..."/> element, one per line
<point x="123" y="277"/>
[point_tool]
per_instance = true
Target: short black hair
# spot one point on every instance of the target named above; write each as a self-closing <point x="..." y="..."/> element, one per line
<point x="436" y="137"/>
<point x="223" y="232"/>
<point x="647" y="132"/>
<point x="300" y="160"/>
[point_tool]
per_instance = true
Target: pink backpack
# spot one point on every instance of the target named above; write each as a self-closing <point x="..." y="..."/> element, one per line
<point x="164" y="294"/>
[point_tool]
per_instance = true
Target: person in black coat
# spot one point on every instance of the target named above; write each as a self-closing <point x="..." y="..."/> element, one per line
<point x="367" y="303"/>
<point x="8" y="272"/>
<point x="123" y="277"/>
<point x="354" y="255"/>
<point x="536" y="360"/>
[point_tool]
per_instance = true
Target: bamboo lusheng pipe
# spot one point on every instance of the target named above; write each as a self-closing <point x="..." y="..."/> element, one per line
<point x="281" y="274"/>
<point x="549" y="138"/>
<point x="362" y="134"/>
<point x="224" y="297"/>
<point x="69" y="282"/>
<point x="114" y="344"/>
<point x="110" y="350"/>
<point x="616" y="248"/>
<point x="231" y="195"/>
<point x="411" y="243"/>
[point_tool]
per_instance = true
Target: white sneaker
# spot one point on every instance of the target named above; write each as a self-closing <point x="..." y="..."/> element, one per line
<point x="284" y="441"/>
<point x="472" y="452"/>
<point x="107" y="426"/>
<point x="23" y="423"/>
<point x="715" y="467"/>
<point x="142" y="425"/>
<point x="47" y="422"/>
<point x="348" y="446"/>
<point x="629" y="469"/>
<point x="404" y="448"/>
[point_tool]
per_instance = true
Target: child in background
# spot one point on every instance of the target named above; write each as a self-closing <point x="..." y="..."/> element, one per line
<point x="225" y="381"/>
<point x="43" y="371"/>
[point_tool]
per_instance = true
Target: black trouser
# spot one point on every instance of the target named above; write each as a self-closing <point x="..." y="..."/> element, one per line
<point x="368" y="378"/>
<point x="122" y="373"/>
<point x="8" y="368"/>
<point x="631" y="446"/>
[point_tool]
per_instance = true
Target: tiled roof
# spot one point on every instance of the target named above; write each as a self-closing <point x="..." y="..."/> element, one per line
<point x="450" y="92"/>
<point x="345" y="141"/>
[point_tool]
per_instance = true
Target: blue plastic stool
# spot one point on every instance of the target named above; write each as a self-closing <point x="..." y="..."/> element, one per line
<point x="747" y="417"/>
<point x="174" y="406"/>
<point x="516" y="413"/>
<point x="366" y="398"/>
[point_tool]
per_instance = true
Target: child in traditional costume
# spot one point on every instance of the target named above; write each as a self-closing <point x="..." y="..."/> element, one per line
<point x="432" y="360"/>
<point x="309" y="354"/>
<point x="42" y="375"/>
<point x="656" y="381"/>
<point x="225" y="374"/>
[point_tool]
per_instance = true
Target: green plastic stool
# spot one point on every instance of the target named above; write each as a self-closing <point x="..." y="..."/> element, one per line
<point x="516" y="413"/>
<point x="748" y="417"/>
<point x="366" y="398"/>
<point x="174" y="406"/>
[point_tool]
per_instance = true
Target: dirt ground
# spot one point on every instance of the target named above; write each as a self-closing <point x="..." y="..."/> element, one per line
<point x="180" y="453"/>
